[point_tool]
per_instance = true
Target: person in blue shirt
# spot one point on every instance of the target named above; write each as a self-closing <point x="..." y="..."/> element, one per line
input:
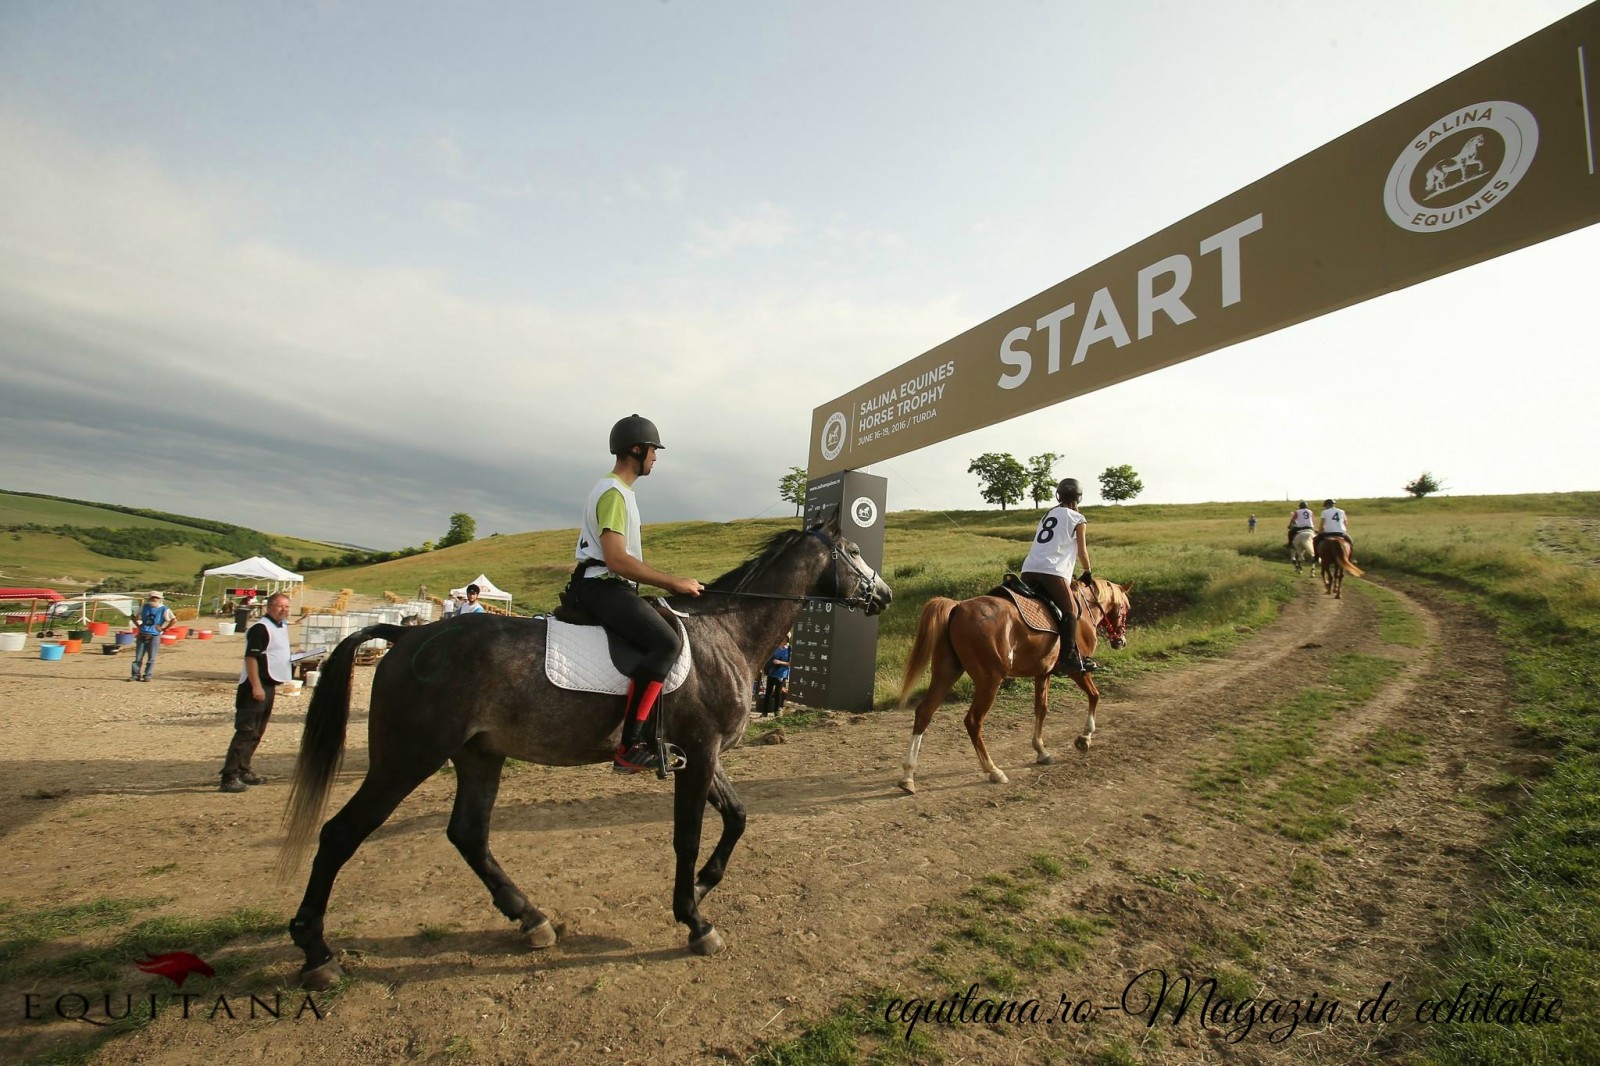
<point x="152" y="620"/>
<point x="777" y="680"/>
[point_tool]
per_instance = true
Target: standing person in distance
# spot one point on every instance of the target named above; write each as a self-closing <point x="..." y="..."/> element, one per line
<point x="1058" y="546"/>
<point x="606" y="582"/>
<point x="777" y="680"/>
<point x="266" y="666"/>
<point x="153" y="619"/>
<point x="470" y="605"/>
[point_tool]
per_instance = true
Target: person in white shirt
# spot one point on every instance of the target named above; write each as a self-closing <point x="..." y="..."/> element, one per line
<point x="1299" y="518"/>
<point x="1058" y="545"/>
<point x="471" y="604"/>
<point x="1333" y="522"/>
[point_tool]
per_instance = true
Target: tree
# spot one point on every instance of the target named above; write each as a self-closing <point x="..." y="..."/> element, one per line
<point x="1004" y="479"/>
<point x="1120" y="483"/>
<point x="1424" y="485"/>
<point x="1042" y="478"/>
<point x="792" y="487"/>
<point x="462" y="530"/>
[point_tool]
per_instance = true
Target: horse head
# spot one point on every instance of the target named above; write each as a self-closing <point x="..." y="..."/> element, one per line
<point x="1114" y="605"/>
<point x="853" y="582"/>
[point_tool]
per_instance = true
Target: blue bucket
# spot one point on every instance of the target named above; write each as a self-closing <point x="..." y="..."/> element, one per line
<point x="50" y="652"/>
<point x="124" y="639"/>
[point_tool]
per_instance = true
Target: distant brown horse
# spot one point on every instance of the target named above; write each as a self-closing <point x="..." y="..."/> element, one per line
<point x="1333" y="555"/>
<point x="988" y="638"/>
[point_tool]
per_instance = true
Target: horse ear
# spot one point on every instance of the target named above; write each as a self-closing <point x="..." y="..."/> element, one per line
<point x="832" y="526"/>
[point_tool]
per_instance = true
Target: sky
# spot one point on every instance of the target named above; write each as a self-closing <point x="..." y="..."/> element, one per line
<point x="342" y="269"/>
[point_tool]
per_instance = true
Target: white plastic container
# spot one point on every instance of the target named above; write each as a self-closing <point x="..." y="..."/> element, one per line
<point x="311" y="678"/>
<point x="12" y="641"/>
<point x="225" y="629"/>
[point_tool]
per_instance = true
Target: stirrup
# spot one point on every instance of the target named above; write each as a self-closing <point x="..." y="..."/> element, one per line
<point x="669" y="759"/>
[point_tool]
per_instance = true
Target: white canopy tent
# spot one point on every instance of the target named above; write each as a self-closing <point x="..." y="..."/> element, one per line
<point x="258" y="568"/>
<point x="487" y="590"/>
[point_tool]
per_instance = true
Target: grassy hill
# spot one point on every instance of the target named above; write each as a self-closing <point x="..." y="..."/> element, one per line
<point x="75" y="544"/>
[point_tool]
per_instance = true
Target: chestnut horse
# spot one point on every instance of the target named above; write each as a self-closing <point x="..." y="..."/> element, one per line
<point x="1333" y="555"/>
<point x="987" y="637"/>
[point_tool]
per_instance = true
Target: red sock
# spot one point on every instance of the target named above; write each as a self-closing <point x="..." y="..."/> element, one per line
<point x="647" y="699"/>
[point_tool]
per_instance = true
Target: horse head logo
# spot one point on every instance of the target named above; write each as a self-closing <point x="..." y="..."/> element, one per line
<point x="176" y="966"/>
<point x="1464" y="164"/>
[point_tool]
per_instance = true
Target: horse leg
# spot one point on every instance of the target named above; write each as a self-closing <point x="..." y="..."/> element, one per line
<point x="372" y="804"/>
<point x="477" y="786"/>
<point x="942" y="678"/>
<point x="985" y="690"/>
<point x="1086" y="683"/>
<point x="692" y="793"/>
<point x="1041" y="704"/>
<point x="726" y="803"/>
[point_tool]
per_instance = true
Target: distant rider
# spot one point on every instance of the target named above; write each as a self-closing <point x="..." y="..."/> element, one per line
<point x="606" y="583"/>
<point x="1058" y="545"/>
<point x="1299" y="518"/>
<point x="1333" y="522"/>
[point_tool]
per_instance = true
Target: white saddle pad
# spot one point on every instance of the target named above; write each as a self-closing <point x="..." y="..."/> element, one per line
<point x="576" y="658"/>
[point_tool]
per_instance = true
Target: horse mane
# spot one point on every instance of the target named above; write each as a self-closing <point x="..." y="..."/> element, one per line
<point x="741" y="575"/>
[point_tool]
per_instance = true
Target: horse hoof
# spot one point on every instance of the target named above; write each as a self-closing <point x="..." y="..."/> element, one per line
<point x="321" y="978"/>
<point x="999" y="777"/>
<point x="1082" y="742"/>
<point x="709" y="944"/>
<point x="908" y="786"/>
<point x="1045" y="760"/>
<point x="544" y="935"/>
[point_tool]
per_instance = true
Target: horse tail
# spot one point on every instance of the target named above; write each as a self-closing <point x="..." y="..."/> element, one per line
<point x="1349" y="567"/>
<point x="932" y="627"/>
<point x="322" y="748"/>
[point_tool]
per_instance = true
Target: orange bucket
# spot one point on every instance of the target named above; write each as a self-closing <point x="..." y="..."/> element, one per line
<point x="73" y="646"/>
<point x="99" y="629"/>
<point x="205" y="634"/>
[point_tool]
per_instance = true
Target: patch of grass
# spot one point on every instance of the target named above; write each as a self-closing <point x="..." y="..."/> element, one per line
<point x="1396" y="623"/>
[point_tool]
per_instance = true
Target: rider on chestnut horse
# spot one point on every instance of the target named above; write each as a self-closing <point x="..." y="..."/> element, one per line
<point x="1334" y="523"/>
<point x="1058" y="544"/>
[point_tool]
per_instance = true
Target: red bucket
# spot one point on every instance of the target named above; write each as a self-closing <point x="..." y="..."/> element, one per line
<point x="99" y="629"/>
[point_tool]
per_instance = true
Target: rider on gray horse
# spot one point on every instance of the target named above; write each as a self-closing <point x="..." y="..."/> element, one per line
<point x="606" y="583"/>
<point x="1299" y="519"/>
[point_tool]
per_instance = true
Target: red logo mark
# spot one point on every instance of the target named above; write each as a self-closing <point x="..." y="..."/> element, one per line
<point x="176" y="966"/>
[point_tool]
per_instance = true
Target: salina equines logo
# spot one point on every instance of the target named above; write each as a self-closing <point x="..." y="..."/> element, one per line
<point x="1461" y="166"/>
<point x="833" y="431"/>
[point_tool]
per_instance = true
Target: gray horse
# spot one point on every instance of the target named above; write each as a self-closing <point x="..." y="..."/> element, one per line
<point x="473" y="691"/>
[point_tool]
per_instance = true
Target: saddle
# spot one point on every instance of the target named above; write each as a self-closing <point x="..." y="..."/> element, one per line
<point x="1037" y="612"/>
<point x="587" y="657"/>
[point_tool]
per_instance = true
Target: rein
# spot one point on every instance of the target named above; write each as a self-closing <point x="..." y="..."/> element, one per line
<point x="861" y="597"/>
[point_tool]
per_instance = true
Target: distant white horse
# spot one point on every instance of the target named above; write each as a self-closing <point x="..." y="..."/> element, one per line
<point x="1300" y="551"/>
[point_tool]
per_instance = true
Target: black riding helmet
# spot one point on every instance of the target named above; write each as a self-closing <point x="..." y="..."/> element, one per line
<point x="1329" y="503"/>
<point x="634" y="430"/>
<point x="1068" y="487"/>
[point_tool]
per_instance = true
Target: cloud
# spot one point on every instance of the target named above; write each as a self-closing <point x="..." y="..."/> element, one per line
<point x="763" y="227"/>
<point x="159" y="347"/>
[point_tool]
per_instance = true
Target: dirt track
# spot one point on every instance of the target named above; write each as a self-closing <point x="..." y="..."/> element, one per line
<point x="840" y="887"/>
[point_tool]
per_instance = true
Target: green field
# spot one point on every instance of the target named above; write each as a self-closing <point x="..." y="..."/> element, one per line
<point x="38" y="545"/>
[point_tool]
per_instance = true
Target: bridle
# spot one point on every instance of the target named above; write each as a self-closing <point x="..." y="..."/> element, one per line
<point x="860" y="597"/>
<point x="1114" y="626"/>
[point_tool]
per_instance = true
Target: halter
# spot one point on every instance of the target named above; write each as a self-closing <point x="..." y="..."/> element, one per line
<point x="861" y="597"/>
